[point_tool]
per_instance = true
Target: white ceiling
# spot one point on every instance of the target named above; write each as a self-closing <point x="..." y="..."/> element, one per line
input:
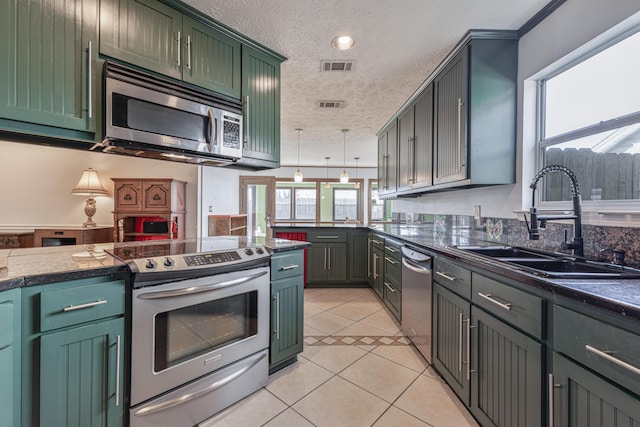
<point x="398" y="44"/>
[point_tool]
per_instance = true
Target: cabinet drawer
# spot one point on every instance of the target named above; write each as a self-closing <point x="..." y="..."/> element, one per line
<point x="393" y="297"/>
<point x="287" y="264"/>
<point x="377" y="241"/>
<point x="517" y="307"/>
<point x="607" y="349"/>
<point x="327" y="236"/>
<point x="6" y="320"/>
<point x="392" y="269"/>
<point x="452" y="277"/>
<point x="392" y="251"/>
<point x="70" y="306"/>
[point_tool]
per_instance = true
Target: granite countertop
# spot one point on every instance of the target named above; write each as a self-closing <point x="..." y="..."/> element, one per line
<point x="35" y="266"/>
<point x="619" y="296"/>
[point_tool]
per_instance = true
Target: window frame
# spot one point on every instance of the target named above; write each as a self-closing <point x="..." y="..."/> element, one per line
<point x="592" y="208"/>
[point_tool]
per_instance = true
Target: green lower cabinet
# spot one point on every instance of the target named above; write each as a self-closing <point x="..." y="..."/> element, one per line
<point x="327" y="262"/>
<point x="358" y="256"/>
<point x="10" y="361"/>
<point x="451" y="315"/>
<point x="287" y="308"/>
<point x="505" y="372"/>
<point x="81" y="376"/>
<point x="582" y="398"/>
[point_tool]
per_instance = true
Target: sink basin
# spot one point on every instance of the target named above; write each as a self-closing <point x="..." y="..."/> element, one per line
<point x="570" y="269"/>
<point x="505" y="252"/>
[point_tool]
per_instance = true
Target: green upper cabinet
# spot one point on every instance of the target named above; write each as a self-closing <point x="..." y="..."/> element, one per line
<point x="211" y="59"/>
<point x="142" y="32"/>
<point x="261" y="97"/>
<point x="49" y="63"/>
<point x="388" y="160"/>
<point x="152" y="35"/>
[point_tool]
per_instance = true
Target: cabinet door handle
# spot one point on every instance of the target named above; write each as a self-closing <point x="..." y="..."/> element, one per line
<point x="550" y="397"/>
<point x="391" y="288"/>
<point x="89" y="78"/>
<point x="390" y="260"/>
<point x="325" y="258"/>
<point x="460" y="104"/>
<point x="491" y="298"/>
<point x="179" y="48"/>
<point x="375" y="266"/>
<point x="247" y="122"/>
<point x="469" y="327"/>
<point x="329" y="259"/>
<point x="446" y="276"/>
<point x="605" y="355"/>
<point x="460" y="334"/>
<point x="327" y="236"/>
<point x="289" y="267"/>
<point x="189" y="52"/>
<point x="368" y="257"/>
<point x="277" y="329"/>
<point x="118" y="370"/>
<point x="87" y="305"/>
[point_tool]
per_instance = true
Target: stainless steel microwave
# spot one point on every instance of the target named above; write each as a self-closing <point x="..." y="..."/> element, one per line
<point x="149" y="116"/>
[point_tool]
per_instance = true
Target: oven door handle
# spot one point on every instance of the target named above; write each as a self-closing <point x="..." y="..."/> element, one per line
<point x="192" y="290"/>
<point x="170" y="401"/>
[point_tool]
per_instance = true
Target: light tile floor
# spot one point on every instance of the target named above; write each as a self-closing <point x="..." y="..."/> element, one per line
<point x="356" y="370"/>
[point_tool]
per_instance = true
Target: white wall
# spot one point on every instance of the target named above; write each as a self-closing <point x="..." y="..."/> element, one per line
<point x="36" y="183"/>
<point x="572" y="25"/>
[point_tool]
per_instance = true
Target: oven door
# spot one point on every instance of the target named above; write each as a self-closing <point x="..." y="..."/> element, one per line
<point x="184" y="330"/>
<point x="138" y="114"/>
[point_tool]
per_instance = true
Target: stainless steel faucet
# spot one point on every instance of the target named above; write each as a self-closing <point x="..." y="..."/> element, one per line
<point x="576" y="244"/>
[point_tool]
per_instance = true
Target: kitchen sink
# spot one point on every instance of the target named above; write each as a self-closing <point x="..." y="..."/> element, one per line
<point x="553" y="265"/>
<point x="571" y="269"/>
<point x="505" y="252"/>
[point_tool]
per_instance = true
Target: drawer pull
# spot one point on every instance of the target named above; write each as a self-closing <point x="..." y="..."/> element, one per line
<point x="446" y="276"/>
<point x="289" y="267"/>
<point x="391" y="288"/>
<point x="393" y="251"/>
<point x="327" y="237"/>
<point x="377" y="242"/>
<point x="489" y="297"/>
<point x="87" y="305"/>
<point x="392" y="261"/>
<point x="612" y="359"/>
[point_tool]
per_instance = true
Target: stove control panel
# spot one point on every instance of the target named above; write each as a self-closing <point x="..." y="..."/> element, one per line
<point x="175" y="263"/>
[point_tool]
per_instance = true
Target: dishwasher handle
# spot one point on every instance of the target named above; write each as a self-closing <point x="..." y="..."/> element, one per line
<point x="415" y="267"/>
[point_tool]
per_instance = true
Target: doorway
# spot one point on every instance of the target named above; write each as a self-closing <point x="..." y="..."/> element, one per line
<point x="257" y="201"/>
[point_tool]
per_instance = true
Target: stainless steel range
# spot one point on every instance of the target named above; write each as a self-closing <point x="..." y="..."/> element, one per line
<point x="200" y="327"/>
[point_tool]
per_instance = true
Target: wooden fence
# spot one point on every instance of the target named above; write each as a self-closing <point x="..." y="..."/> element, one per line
<point x="605" y="176"/>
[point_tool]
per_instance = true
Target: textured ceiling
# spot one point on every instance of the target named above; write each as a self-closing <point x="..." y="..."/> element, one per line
<point x="398" y="43"/>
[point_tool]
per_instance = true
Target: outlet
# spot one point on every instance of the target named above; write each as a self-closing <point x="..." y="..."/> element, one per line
<point x="210" y="208"/>
<point x="477" y="213"/>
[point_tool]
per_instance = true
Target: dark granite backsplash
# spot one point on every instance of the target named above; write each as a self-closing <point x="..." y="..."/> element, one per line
<point x="599" y="241"/>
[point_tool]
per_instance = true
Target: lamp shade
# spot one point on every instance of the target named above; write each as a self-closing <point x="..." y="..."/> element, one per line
<point x="89" y="184"/>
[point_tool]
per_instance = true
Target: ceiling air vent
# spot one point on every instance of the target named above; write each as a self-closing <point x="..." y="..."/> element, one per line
<point x="337" y="65"/>
<point x="331" y="104"/>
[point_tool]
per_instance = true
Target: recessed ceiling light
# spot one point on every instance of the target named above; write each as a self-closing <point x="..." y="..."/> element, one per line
<point x="343" y="42"/>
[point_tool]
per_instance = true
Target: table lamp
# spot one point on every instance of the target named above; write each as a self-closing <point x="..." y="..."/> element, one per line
<point x="89" y="185"/>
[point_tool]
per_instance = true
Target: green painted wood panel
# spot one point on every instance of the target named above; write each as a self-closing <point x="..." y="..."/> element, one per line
<point x="78" y="376"/>
<point x="406" y="153"/>
<point x="450" y="120"/>
<point x="316" y="262"/>
<point x="336" y="262"/>
<point x="358" y="256"/>
<point x="287" y="316"/>
<point x="450" y="316"/>
<point x="423" y="138"/>
<point x="261" y="94"/>
<point x="507" y="382"/>
<point x="45" y="62"/>
<point x="143" y="33"/>
<point x="582" y="398"/>
<point x="378" y="271"/>
<point x="10" y="360"/>
<point x="211" y="59"/>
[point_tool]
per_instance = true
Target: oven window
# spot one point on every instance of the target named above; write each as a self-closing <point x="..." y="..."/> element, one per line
<point x="189" y="332"/>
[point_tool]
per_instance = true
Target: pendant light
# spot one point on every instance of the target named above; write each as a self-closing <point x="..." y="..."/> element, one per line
<point x="297" y="177"/>
<point x="344" y="176"/>
<point x="326" y="184"/>
<point x="357" y="183"/>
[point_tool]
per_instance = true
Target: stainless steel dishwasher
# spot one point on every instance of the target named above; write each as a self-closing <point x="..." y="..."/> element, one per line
<point x="416" y="298"/>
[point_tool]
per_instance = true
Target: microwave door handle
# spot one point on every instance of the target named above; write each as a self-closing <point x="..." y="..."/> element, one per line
<point x="213" y="128"/>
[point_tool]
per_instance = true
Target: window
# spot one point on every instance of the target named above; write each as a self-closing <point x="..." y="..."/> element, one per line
<point x="295" y="202"/>
<point x="283" y="204"/>
<point x="590" y="122"/>
<point x="305" y="202"/>
<point x="345" y="204"/>
<point x="379" y="208"/>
